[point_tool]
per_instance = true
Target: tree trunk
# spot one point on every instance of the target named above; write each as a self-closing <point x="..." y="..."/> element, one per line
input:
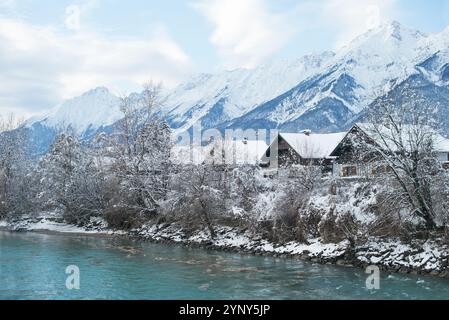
<point x="207" y="220"/>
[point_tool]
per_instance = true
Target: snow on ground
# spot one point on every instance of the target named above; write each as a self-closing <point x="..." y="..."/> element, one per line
<point x="48" y="224"/>
<point x="55" y="227"/>
<point x="231" y="238"/>
<point x="425" y="257"/>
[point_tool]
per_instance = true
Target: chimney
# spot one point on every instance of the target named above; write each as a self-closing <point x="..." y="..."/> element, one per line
<point x="307" y="132"/>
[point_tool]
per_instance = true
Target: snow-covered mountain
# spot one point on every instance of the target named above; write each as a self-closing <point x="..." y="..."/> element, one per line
<point x="215" y="99"/>
<point x="322" y="92"/>
<point x="84" y="115"/>
<point x="87" y="113"/>
<point x="370" y="66"/>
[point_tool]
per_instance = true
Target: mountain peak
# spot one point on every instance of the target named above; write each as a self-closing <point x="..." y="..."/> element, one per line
<point x="388" y="36"/>
<point x="391" y="24"/>
<point x="93" y="109"/>
<point x="395" y="30"/>
<point x="97" y="91"/>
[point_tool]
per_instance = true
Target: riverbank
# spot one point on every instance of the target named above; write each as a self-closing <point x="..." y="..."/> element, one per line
<point x="418" y="257"/>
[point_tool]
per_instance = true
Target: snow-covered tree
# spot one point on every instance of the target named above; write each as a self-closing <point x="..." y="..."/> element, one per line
<point x="293" y="219"/>
<point x="14" y="166"/>
<point x="140" y="151"/>
<point x="198" y="200"/>
<point x="57" y="171"/>
<point x="403" y="145"/>
<point x="72" y="180"/>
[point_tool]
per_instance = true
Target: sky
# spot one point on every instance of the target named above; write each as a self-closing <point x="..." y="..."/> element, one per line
<point x="54" y="50"/>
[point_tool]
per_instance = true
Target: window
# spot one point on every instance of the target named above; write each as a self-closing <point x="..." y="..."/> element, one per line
<point x="381" y="169"/>
<point x="349" y="171"/>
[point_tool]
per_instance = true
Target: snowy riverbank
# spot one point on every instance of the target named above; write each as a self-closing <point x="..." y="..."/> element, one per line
<point x="50" y="224"/>
<point x="419" y="257"/>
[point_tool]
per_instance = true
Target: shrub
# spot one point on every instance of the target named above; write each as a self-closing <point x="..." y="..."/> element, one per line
<point x="310" y="219"/>
<point x="123" y="218"/>
<point x="288" y="226"/>
<point x="328" y="229"/>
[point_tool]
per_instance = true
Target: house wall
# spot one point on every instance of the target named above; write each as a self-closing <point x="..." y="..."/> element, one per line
<point x="286" y="156"/>
<point x="350" y="150"/>
<point x="443" y="156"/>
<point x="352" y="170"/>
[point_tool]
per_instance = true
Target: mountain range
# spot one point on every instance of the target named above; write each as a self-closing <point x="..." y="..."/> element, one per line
<point x="324" y="92"/>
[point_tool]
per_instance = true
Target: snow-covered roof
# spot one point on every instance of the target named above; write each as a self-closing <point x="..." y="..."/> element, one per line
<point x="239" y="152"/>
<point x="377" y="132"/>
<point x="313" y="146"/>
<point x="188" y="154"/>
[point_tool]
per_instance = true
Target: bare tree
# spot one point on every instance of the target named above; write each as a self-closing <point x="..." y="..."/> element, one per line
<point x="13" y="165"/>
<point x="401" y="145"/>
<point x="140" y="151"/>
<point x="198" y="200"/>
<point x="294" y="220"/>
<point x="151" y="101"/>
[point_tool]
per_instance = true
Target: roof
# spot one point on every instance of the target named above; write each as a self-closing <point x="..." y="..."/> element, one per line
<point x="376" y="133"/>
<point x="235" y="152"/>
<point x="313" y="146"/>
<point x="244" y="151"/>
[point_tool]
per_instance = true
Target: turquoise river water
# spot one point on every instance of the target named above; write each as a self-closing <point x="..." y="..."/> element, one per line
<point x="33" y="266"/>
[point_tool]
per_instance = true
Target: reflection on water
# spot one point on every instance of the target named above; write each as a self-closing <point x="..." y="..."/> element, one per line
<point x="32" y="266"/>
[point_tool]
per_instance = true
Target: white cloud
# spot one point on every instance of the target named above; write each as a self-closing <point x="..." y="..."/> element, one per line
<point x="74" y="13"/>
<point x="41" y="65"/>
<point x="350" y="18"/>
<point x="7" y="4"/>
<point x="248" y="32"/>
<point x="245" y="32"/>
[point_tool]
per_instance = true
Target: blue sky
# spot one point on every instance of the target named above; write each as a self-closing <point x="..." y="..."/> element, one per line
<point x="53" y="50"/>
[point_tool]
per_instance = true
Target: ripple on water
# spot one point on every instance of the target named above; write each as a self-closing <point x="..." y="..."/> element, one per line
<point x="33" y="266"/>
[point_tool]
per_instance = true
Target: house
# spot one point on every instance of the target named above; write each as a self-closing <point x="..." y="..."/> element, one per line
<point x="306" y="148"/>
<point x="187" y="154"/>
<point x="229" y="152"/>
<point x="236" y="152"/>
<point x="356" y="159"/>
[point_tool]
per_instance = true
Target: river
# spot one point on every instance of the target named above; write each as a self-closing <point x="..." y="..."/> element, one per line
<point x="33" y="266"/>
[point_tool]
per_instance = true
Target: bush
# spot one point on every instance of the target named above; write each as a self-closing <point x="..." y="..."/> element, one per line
<point x="335" y="228"/>
<point x="288" y="226"/>
<point x="311" y="218"/>
<point x="388" y="226"/>
<point x="264" y="228"/>
<point x="328" y="229"/>
<point x="123" y="218"/>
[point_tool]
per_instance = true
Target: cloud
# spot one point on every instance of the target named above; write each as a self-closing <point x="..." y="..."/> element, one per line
<point x="350" y="18"/>
<point x="42" y="65"/>
<point x="245" y="32"/>
<point x="74" y="13"/>
<point x="7" y="4"/>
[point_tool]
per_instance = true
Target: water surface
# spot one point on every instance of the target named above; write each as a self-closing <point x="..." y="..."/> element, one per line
<point x="32" y="266"/>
